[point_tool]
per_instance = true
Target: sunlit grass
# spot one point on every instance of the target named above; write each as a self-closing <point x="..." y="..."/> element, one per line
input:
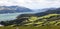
<point x="35" y="20"/>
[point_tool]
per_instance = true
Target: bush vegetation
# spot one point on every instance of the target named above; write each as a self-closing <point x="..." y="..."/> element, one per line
<point x="33" y="22"/>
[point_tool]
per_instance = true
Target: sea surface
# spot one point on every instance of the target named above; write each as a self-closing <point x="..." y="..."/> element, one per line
<point x="11" y="16"/>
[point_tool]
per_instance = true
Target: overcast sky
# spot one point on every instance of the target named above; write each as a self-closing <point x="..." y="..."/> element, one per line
<point x="33" y="4"/>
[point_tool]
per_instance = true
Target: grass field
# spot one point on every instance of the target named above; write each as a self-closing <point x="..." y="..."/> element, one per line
<point x="31" y="27"/>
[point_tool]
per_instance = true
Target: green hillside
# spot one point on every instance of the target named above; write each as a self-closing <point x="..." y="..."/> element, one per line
<point x="50" y="21"/>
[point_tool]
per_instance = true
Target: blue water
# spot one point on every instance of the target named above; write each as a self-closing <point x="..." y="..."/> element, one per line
<point x="10" y="16"/>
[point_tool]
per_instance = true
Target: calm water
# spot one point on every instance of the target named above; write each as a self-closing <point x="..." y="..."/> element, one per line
<point x="10" y="16"/>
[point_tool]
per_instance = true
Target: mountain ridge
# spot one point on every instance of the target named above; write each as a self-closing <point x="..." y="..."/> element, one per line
<point x="13" y="9"/>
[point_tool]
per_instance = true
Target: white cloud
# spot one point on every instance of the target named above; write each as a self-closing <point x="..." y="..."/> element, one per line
<point x="32" y="3"/>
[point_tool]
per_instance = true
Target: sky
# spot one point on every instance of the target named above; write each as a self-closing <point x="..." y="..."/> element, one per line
<point x="32" y="4"/>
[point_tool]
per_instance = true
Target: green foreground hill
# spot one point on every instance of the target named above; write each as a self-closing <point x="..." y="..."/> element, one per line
<point x="50" y="21"/>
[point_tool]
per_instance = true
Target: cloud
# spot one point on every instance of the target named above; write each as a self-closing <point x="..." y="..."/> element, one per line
<point x="32" y="3"/>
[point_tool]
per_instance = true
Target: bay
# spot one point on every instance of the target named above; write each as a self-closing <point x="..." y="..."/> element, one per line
<point x="12" y="16"/>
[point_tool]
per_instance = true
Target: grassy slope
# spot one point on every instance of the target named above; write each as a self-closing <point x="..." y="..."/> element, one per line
<point x="35" y="20"/>
<point x="41" y="20"/>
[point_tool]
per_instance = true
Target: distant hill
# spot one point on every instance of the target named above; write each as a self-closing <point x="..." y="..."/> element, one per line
<point x="49" y="11"/>
<point x="13" y="9"/>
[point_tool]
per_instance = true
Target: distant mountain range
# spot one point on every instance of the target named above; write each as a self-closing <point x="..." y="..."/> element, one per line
<point x="13" y="9"/>
<point x="49" y="11"/>
<point x="19" y="9"/>
<point x="46" y="12"/>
